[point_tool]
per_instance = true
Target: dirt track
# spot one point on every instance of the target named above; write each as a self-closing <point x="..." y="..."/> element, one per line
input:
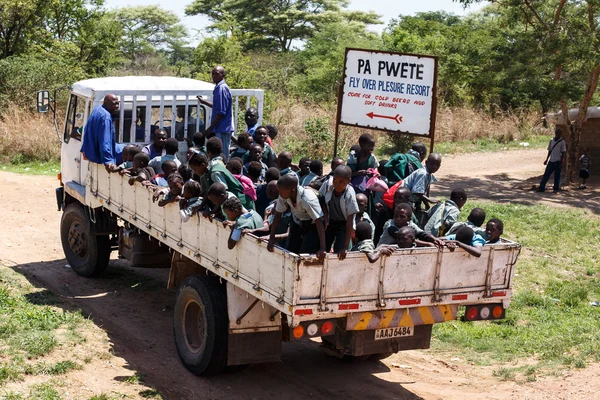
<point x="135" y="309"/>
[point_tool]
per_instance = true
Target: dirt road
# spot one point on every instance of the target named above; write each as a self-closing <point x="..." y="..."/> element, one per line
<point x="135" y="310"/>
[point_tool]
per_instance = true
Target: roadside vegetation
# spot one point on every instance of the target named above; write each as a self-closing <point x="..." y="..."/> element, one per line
<point x="550" y="324"/>
<point x="42" y="341"/>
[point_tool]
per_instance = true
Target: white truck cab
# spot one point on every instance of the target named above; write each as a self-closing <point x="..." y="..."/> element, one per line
<point x="236" y="306"/>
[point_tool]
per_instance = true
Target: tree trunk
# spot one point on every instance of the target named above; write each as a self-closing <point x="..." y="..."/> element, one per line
<point x="577" y="125"/>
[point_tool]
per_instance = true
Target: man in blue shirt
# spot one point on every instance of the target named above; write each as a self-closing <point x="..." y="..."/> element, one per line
<point x="221" y="120"/>
<point x="99" y="140"/>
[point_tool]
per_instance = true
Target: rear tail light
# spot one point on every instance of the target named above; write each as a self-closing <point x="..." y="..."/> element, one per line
<point x="326" y="328"/>
<point x="298" y="332"/>
<point x="484" y="312"/>
<point x="312" y="329"/>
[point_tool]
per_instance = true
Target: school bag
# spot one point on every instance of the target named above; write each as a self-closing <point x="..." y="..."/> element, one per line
<point x="400" y="166"/>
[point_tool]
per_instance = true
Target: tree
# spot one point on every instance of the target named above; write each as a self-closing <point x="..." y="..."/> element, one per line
<point x="148" y="28"/>
<point x="275" y="24"/>
<point x="17" y="19"/>
<point x="563" y="37"/>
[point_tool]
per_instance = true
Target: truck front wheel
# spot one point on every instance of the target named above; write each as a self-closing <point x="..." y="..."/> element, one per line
<point x="87" y="254"/>
<point x="201" y="325"/>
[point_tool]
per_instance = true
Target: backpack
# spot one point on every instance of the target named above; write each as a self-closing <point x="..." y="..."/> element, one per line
<point x="400" y="166"/>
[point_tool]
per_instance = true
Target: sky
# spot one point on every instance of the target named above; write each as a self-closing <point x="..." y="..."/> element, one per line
<point x="388" y="9"/>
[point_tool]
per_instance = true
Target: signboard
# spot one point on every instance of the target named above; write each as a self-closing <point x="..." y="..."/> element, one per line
<point x="389" y="91"/>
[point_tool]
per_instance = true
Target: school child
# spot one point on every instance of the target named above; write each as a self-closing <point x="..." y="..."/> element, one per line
<point x="493" y="230"/>
<point x="443" y="215"/>
<point x="254" y="172"/>
<point x="340" y="212"/>
<point x="191" y="200"/>
<point x="255" y="154"/>
<point x="235" y="167"/>
<point x="364" y="233"/>
<point x="362" y="214"/>
<point x="171" y="149"/>
<point x="199" y="140"/>
<point x="585" y="162"/>
<point x="140" y="171"/>
<point x="304" y="171"/>
<point x="384" y="213"/>
<point x="474" y="221"/>
<point x="186" y="172"/>
<point x="217" y="172"/>
<point x="129" y="152"/>
<point x="318" y="182"/>
<point x="168" y="167"/>
<point x="244" y="140"/>
<point x="402" y="217"/>
<point x="405" y="238"/>
<point x="307" y="232"/>
<point x="361" y="161"/>
<point x="242" y="219"/>
<point x="199" y="164"/>
<point x="283" y="229"/>
<point x="262" y="199"/>
<point x="419" y="182"/>
<point x="268" y="155"/>
<point x="272" y="134"/>
<point x="175" y="183"/>
<point x="418" y="150"/>
<point x="465" y="239"/>
<point x="284" y="164"/>
<point x="217" y="193"/>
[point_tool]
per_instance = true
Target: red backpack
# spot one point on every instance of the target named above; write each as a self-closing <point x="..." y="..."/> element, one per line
<point x="388" y="197"/>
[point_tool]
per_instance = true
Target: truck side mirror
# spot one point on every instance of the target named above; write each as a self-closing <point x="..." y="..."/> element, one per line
<point x="43" y="101"/>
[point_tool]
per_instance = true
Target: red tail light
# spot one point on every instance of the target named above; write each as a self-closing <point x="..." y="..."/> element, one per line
<point x="326" y="328"/>
<point x="472" y="313"/>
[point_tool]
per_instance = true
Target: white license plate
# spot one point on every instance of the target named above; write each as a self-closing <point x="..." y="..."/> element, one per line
<point x="390" y="333"/>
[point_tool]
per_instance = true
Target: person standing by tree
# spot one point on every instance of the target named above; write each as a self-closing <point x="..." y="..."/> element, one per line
<point x="99" y="140"/>
<point x="557" y="148"/>
<point x="221" y="120"/>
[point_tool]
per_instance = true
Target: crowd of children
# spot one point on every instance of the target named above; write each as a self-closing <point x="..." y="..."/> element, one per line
<point x="360" y="205"/>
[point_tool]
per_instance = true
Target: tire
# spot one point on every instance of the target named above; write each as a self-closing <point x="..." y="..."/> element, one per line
<point x="87" y="254"/>
<point x="201" y="325"/>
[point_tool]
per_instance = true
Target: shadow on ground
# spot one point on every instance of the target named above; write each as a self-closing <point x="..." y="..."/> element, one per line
<point x="135" y="309"/>
<point x="503" y="188"/>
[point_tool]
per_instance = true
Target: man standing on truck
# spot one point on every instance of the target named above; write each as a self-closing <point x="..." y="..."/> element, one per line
<point x="221" y="120"/>
<point x="99" y="140"/>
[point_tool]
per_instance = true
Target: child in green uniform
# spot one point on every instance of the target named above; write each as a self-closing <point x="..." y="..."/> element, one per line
<point x="217" y="172"/>
<point x="268" y="155"/>
<point x="366" y="245"/>
<point x="244" y="219"/>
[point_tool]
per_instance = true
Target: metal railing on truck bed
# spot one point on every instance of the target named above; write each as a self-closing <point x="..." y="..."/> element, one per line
<point x="300" y="286"/>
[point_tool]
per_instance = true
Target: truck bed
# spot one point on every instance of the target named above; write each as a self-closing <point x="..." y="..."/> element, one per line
<point x="299" y="285"/>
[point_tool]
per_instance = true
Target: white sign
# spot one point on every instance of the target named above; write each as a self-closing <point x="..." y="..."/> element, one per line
<point x="389" y="91"/>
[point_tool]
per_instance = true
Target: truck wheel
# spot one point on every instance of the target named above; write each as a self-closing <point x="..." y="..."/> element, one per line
<point x="87" y="254"/>
<point x="201" y="325"/>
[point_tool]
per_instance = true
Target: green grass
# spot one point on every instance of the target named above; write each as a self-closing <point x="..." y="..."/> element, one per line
<point x="490" y="145"/>
<point x="550" y="323"/>
<point x="51" y="168"/>
<point x="29" y="331"/>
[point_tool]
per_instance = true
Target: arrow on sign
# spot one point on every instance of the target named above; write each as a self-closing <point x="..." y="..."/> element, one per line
<point x="397" y="118"/>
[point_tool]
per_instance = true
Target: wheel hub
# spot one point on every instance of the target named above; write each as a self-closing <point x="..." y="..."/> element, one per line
<point x="78" y="239"/>
<point x="194" y="326"/>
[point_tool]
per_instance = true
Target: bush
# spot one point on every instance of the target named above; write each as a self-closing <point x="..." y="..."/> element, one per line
<point x="22" y="76"/>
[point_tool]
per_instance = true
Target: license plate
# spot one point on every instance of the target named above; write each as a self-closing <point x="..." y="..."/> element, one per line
<point x="390" y="333"/>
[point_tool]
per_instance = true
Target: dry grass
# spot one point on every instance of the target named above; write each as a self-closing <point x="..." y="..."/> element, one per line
<point x="26" y="136"/>
<point x="453" y="125"/>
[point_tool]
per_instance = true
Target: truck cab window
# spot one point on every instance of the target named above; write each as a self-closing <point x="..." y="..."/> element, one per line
<point x="74" y="123"/>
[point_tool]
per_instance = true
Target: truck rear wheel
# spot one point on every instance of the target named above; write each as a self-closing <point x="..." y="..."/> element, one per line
<point x="87" y="254"/>
<point x="201" y="325"/>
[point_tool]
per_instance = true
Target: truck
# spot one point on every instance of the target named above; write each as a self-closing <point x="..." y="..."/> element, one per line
<point x="236" y="307"/>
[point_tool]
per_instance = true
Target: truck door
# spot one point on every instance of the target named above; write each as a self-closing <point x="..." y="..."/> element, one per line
<point x="70" y="162"/>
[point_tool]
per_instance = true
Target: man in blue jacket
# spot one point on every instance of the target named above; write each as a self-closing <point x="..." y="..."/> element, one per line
<point x="99" y="139"/>
<point x="221" y="120"/>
